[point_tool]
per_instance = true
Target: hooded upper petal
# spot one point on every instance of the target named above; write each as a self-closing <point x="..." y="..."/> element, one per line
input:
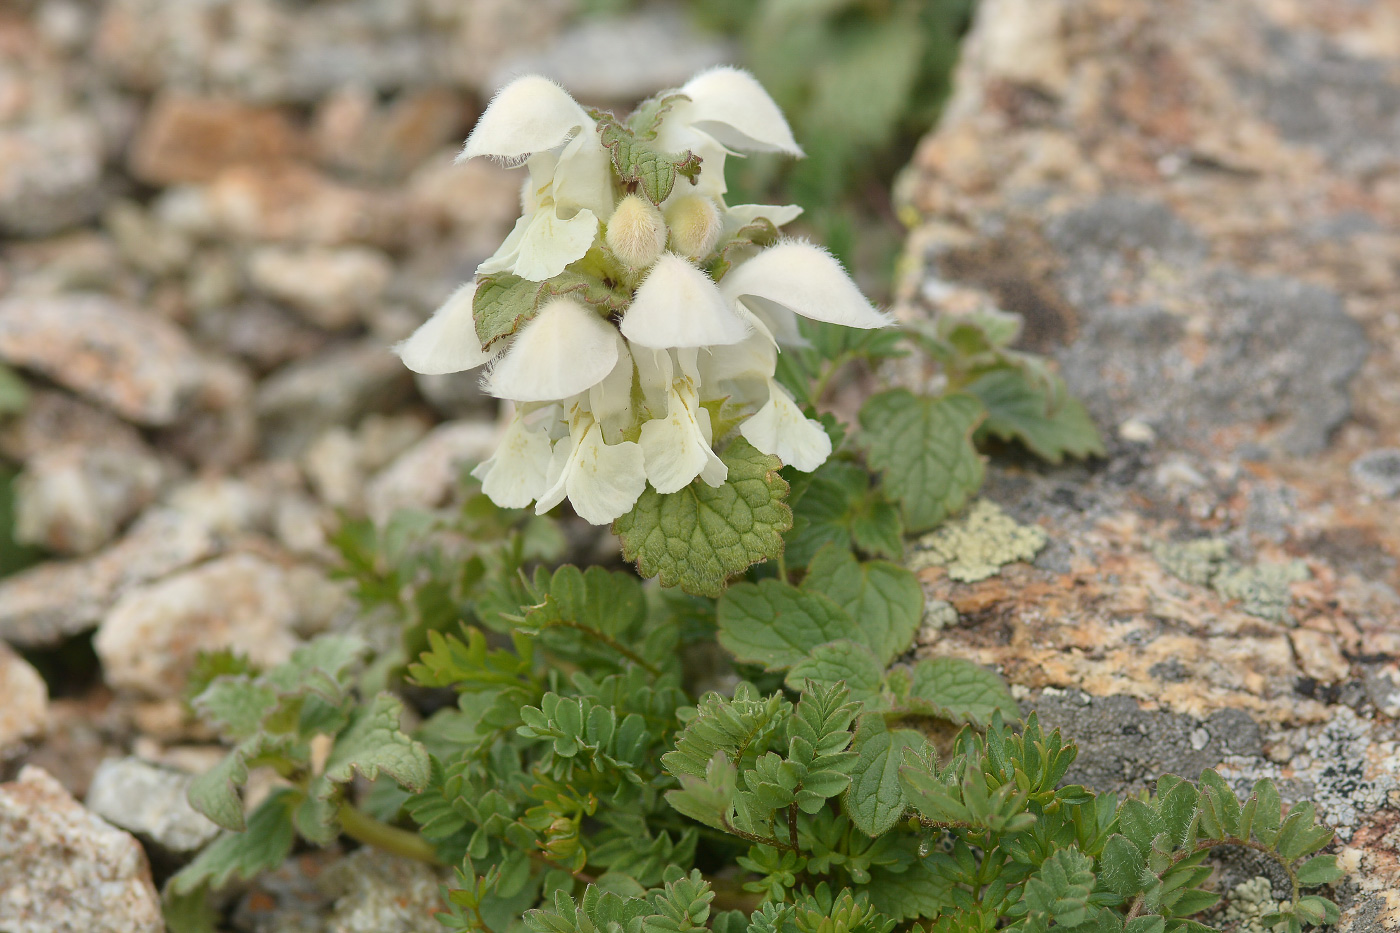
<point x="566" y="349"/>
<point x="779" y="428"/>
<point x="677" y="305"/>
<point x="517" y="472"/>
<point x="730" y="105"/>
<point x="805" y="279"/>
<point x="531" y="114"/>
<point x="447" y="341"/>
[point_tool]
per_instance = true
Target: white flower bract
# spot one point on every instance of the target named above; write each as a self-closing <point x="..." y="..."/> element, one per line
<point x="677" y="305"/>
<point x="804" y="279"/>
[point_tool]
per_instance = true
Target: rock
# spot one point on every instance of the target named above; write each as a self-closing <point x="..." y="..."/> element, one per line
<point x="221" y="431"/>
<point x="261" y="334"/>
<point x="376" y="892"/>
<point x="150" y="802"/>
<point x="55" y="421"/>
<point x="50" y="175"/>
<point x="477" y="199"/>
<point x="145" y="243"/>
<point x="294" y="203"/>
<point x="148" y="641"/>
<point x="1378" y="472"/>
<point x="425" y="475"/>
<point x="336" y="387"/>
<point x="455" y="395"/>
<point x="64" y="869"/>
<point x="333" y="289"/>
<point x="622" y="58"/>
<point x="333" y="469"/>
<point x="24" y="701"/>
<point x="46" y="603"/>
<point x="192" y="139"/>
<point x="354" y="134"/>
<point x="138" y="365"/>
<point x="73" y="500"/>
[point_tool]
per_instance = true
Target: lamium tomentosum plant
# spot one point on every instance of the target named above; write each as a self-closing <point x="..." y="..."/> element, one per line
<point x="743" y="745"/>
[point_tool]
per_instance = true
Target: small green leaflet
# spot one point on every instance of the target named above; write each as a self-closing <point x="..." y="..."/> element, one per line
<point x="884" y="598"/>
<point x="840" y="662"/>
<point x="959" y="690"/>
<point x="699" y="537"/>
<point x="1017" y="410"/>
<point x="264" y="846"/>
<point x="875" y="800"/>
<point x="1059" y="890"/>
<point x="504" y="302"/>
<point x="638" y="164"/>
<point x="923" y="449"/>
<point x="710" y="799"/>
<point x="777" y="625"/>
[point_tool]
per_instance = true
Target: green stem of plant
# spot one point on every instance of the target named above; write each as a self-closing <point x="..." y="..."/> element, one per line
<point x="364" y="828"/>
<point x="612" y="643"/>
<point x="782" y="568"/>
<point x="824" y="380"/>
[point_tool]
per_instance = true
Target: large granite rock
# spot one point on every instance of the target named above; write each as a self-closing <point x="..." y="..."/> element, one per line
<point x="1194" y="206"/>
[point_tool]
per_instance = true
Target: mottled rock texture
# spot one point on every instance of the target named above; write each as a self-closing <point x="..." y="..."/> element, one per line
<point x="1195" y="206"/>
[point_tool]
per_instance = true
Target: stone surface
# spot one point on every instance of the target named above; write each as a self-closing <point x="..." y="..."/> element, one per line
<point x="64" y="870"/>
<point x="426" y="474"/>
<point x="149" y="802"/>
<point x="138" y="365"/>
<point x="333" y="289"/>
<point x="50" y="175"/>
<point x="193" y="139"/>
<point x="380" y="893"/>
<point x="149" y="639"/>
<point x="24" y="712"/>
<point x="74" y="499"/>
<point x="1197" y="218"/>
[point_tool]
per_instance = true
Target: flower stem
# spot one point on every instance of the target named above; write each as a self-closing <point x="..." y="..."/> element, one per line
<point x="364" y="828"/>
<point x="824" y="380"/>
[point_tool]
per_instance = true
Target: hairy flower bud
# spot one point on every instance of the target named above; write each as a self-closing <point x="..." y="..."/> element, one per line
<point x="695" y="225"/>
<point x="636" y="232"/>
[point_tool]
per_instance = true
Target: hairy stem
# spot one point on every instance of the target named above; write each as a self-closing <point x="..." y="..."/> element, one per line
<point x="364" y="828"/>
<point x="792" y="825"/>
<point x="756" y="838"/>
<point x="612" y="643"/>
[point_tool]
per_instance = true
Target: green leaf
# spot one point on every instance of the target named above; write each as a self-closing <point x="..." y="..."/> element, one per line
<point x="235" y="705"/>
<point x="14" y="394"/>
<point x="777" y="625"/>
<point x="1152" y="923"/>
<point x="710" y="799"/>
<point x="886" y="598"/>
<point x="923" y="450"/>
<point x="876" y="527"/>
<point x="639" y="164"/>
<point x="1019" y="410"/>
<point x="265" y="845"/>
<point x="1121" y="866"/>
<point x="960" y="691"/>
<point x="738" y="727"/>
<point x="822" y="507"/>
<point x="1317" y="910"/>
<point x="215" y="792"/>
<point x="699" y="537"/>
<point x="840" y="662"/>
<point x="875" y="800"/>
<point x="374" y="743"/>
<point x="503" y="303"/>
<point x="910" y="894"/>
<point x="1320" y="870"/>
<point x="1059" y="889"/>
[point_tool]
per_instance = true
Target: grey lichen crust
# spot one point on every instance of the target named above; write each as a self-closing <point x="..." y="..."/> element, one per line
<point x="1261" y="590"/>
<point x="977" y="545"/>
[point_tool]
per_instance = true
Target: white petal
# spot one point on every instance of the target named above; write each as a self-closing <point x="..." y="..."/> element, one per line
<point x="565" y="350"/>
<point x="677" y="448"/>
<point x="447" y="341"/>
<point x="741" y="215"/>
<point x="583" y="176"/>
<point x="611" y="400"/>
<point x="518" y="471"/>
<point x="678" y="306"/>
<point x="730" y="105"/>
<point x="805" y="279"/>
<point x="779" y="322"/>
<point x="779" y="428"/>
<point x="606" y="480"/>
<point x="531" y="114"/>
<point x="655" y="369"/>
<point x="754" y="358"/>
<point x="551" y="243"/>
<point x="503" y="259"/>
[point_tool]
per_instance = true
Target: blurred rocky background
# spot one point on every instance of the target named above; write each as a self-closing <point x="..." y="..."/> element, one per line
<point x="217" y="216"/>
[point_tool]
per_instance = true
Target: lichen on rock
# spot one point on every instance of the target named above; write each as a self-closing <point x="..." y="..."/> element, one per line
<point x="1261" y="589"/>
<point x="977" y="545"/>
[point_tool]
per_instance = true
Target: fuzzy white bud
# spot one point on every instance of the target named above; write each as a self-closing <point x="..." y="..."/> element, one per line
<point x="636" y="232"/>
<point x="695" y="225"/>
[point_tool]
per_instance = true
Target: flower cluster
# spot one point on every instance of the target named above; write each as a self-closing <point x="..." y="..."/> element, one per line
<point x="632" y="315"/>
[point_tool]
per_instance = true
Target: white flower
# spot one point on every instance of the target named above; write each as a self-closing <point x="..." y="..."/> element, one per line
<point x="602" y="481"/>
<point x="779" y="428"/>
<point x="677" y="305"/>
<point x="676" y="448"/>
<point x="804" y="279"/>
<point x="564" y="350"/>
<point x="518" y="472"/>
<point x="447" y="341"/>
<point x="570" y="188"/>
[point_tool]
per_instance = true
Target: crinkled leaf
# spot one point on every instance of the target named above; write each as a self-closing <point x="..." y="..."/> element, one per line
<point x="699" y="537"/>
<point x="923" y="450"/>
<point x="235" y="705"/>
<point x="503" y="303"/>
<point x="837" y="662"/>
<point x="243" y="855"/>
<point x="215" y="792"/>
<point x="1019" y="410"/>
<point x="909" y="894"/>
<point x="317" y="667"/>
<point x="777" y="625"/>
<point x="960" y="690"/>
<point x="374" y="743"/>
<point x="884" y="598"/>
<point x="636" y="162"/>
<point x="823" y="503"/>
<point x="875" y="800"/>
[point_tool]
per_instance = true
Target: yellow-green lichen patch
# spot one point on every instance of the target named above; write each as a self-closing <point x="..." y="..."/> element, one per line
<point x="977" y="545"/>
<point x="1261" y="590"/>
